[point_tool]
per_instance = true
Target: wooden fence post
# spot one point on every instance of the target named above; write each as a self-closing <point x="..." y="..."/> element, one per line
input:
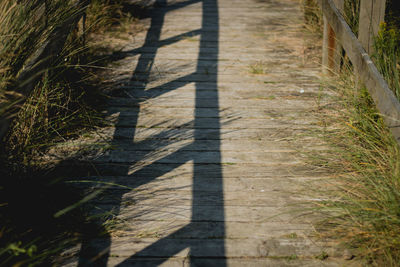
<point x="331" y="48"/>
<point x="372" y="13"/>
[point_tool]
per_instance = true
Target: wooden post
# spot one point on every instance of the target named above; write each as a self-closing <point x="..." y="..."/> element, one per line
<point x="372" y="13"/>
<point x="331" y="48"/>
<point x="384" y="98"/>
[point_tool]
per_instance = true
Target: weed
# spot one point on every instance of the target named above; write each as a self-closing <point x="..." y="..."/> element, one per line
<point x="257" y="68"/>
<point x="322" y="256"/>
<point x="292" y="236"/>
<point x="292" y="257"/>
<point x="259" y="97"/>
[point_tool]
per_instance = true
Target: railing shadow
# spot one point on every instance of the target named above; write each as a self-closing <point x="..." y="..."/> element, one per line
<point x="94" y="253"/>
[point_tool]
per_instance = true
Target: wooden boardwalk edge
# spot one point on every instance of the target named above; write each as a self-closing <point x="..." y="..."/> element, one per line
<point x="384" y="98"/>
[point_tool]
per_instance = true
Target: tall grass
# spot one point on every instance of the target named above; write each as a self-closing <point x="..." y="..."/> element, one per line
<point x="102" y="13"/>
<point x="63" y="100"/>
<point x="366" y="158"/>
<point x="313" y="19"/>
<point x="351" y="14"/>
<point x="24" y="27"/>
<point x="61" y="105"/>
<point x="363" y="210"/>
<point x="313" y="16"/>
<point x="387" y="56"/>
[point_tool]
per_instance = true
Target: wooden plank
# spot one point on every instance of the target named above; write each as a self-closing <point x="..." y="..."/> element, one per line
<point x="385" y="100"/>
<point x="211" y="248"/>
<point x="232" y="262"/>
<point x="372" y="13"/>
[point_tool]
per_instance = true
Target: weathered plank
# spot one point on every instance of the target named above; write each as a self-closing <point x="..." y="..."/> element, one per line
<point x="282" y="212"/>
<point x="126" y="246"/>
<point x="272" y="134"/>
<point x="208" y="123"/>
<point x="297" y="171"/>
<point x="261" y="102"/>
<point x="242" y="187"/>
<point x="233" y="262"/>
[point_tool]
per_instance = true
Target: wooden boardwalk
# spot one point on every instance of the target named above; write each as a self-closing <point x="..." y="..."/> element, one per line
<point x="215" y="102"/>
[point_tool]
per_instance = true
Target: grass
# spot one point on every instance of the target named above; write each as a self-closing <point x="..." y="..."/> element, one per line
<point x="366" y="158"/>
<point x="313" y="19"/>
<point x="59" y="96"/>
<point x="387" y="56"/>
<point x="41" y="214"/>
<point x="257" y="68"/>
<point x="271" y="97"/>
<point x="322" y="256"/>
<point x="24" y="28"/>
<point x="363" y="206"/>
<point x="351" y="14"/>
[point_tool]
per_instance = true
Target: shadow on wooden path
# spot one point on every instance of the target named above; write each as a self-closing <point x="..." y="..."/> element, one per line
<point x="98" y="253"/>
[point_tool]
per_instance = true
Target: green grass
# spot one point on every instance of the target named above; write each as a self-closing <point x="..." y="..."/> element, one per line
<point x="104" y="13"/>
<point x="312" y="16"/>
<point x="40" y="213"/>
<point x="257" y="68"/>
<point x="364" y="210"/>
<point x="363" y="206"/>
<point x="387" y="56"/>
<point x="63" y="101"/>
<point x="351" y="14"/>
<point x="322" y="256"/>
<point x="24" y="27"/>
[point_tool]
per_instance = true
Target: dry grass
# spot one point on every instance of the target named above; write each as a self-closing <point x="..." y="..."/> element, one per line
<point x="59" y="107"/>
<point x="365" y="196"/>
<point x="363" y="206"/>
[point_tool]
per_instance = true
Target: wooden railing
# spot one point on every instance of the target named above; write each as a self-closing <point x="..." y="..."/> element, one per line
<point x="337" y="34"/>
<point x="41" y="60"/>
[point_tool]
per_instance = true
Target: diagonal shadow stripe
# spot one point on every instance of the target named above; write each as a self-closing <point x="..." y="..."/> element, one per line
<point x="169" y="86"/>
<point x="175" y="6"/>
<point x="152" y="47"/>
<point x="169" y="246"/>
<point x="163" y="249"/>
<point x="93" y="253"/>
